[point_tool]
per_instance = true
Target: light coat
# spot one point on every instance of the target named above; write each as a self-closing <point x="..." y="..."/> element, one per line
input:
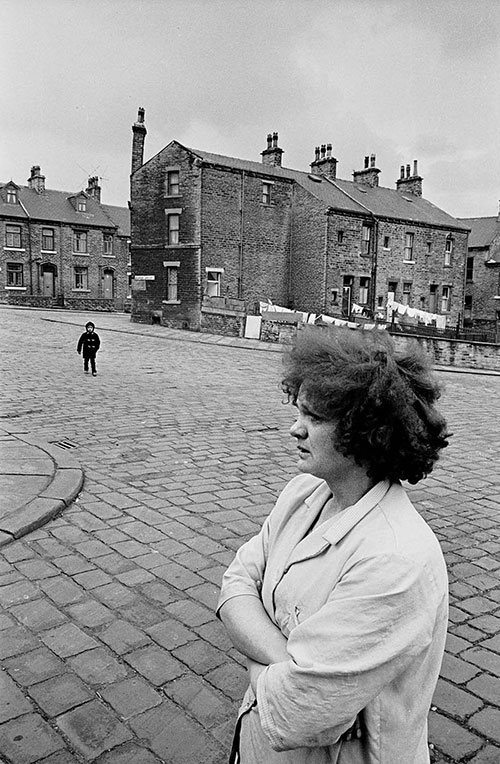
<point x="363" y="602"/>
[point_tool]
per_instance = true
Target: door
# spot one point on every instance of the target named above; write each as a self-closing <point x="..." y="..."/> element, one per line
<point x="108" y="285"/>
<point x="48" y="282"/>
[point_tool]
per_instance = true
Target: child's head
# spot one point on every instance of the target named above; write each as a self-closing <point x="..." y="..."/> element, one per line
<point x="90" y="326"/>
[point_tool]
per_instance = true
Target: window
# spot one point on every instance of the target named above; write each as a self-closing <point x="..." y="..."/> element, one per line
<point x="80" y="277"/>
<point x="365" y="240"/>
<point x="469" y="271"/>
<point x="213" y="283"/>
<point x="446" y="299"/>
<point x="81" y="205"/>
<point x="347" y="283"/>
<point x="13" y="236"/>
<point x="173" y="183"/>
<point x="11" y="196"/>
<point x="266" y="193"/>
<point x="107" y="243"/>
<point x="15" y="275"/>
<point x="335" y="296"/>
<point x="171" y="283"/>
<point x="409" y="242"/>
<point x="429" y="247"/>
<point x="48" y="239"/>
<point x="433" y="291"/>
<point x="468" y="307"/>
<point x="364" y="286"/>
<point x="79" y="241"/>
<point x="340" y="237"/>
<point x="448" y="250"/>
<point x="173" y="229"/>
<point x="406" y="292"/>
<point x="392" y="287"/>
<point x="387" y="242"/>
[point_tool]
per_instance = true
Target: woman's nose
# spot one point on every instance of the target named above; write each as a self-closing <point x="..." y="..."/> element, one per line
<point x="298" y="430"/>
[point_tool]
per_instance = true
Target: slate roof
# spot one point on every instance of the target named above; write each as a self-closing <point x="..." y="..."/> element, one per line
<point x="55" y="207"/>
<point x="483" y="230"/>
<point x="347" y="195"/>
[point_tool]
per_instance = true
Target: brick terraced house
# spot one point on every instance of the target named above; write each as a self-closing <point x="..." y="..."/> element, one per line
<point x="62" y="249"/>
<point x="482" y="275"/>
<point x="210" y="229"/>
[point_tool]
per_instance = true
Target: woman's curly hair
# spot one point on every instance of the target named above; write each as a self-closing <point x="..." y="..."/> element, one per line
<point x="383" y="402"/>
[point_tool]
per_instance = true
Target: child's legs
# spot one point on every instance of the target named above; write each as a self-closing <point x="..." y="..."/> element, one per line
<point x="92" y="363"/>
<point x="85" y="363"/>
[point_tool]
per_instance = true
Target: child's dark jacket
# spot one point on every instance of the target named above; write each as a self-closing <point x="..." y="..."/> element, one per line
<point x="89" y="343"/>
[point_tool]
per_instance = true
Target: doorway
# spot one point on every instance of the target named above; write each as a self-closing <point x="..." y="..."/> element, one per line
<point x="48" y="280"/>
<point x="108" y="285"/>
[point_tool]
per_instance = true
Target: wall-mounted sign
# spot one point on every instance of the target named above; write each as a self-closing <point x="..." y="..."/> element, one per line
<point x="144" y="278"/>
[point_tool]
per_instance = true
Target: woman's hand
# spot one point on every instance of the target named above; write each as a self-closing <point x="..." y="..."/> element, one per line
<point x="252" y="632"/>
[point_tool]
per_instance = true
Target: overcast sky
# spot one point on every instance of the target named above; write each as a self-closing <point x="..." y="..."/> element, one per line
<point x="402" y="79"/>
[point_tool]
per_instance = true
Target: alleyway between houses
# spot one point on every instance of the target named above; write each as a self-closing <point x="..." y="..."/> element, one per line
<point x="110" y="649"/>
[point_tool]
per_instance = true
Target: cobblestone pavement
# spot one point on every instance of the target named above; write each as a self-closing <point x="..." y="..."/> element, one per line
<point x="110" y="649"/>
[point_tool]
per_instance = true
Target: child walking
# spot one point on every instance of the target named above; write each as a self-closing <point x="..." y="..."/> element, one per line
<point x="90" y="343"/>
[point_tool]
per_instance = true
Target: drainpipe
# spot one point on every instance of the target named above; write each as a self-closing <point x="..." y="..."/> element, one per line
<point x="30" y="259"/>
<point x="325" y="258"/>
<point x="240" y="261"/>
<point x="373" y="289"/>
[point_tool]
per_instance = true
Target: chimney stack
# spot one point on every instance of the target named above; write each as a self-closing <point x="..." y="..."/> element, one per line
<point x="36" y="181"/>
<point x="409" y="184"/>
<point x="93" y="188"/>
<point x="324" y="163"/>
<point x="368" y="176"/>
<point x="272" y="154"/>
<point x="139" y="135"/>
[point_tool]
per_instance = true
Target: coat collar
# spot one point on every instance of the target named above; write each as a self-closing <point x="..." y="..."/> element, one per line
<point x="334" y="530"/>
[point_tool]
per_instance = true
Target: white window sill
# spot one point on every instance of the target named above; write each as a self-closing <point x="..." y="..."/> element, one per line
<point x="409" y="262"/>
<point x="80" y="290"/>
<point x="113" y="257"/>
<point x="386" y="249"/>
<point x="82" y="254"/>
<point x="14" y="249"/>
<point x="17" y="288"/>
<point x="48" y="251"/>
<point x="172" y="196"/>
<point x="170" y="302"/>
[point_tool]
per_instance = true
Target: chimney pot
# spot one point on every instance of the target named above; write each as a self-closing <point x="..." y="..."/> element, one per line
<point x="372" y="160"/>
<point x="323" y="150"/>
<point x="140" y="114"/>
<point x="402" y="172"/>
<point x="275" y="140"/>
<point x="269" y="140"/>
<point x="328" y="150"/>
<point x="407" y="170"/>
<point x="415" y="167"/>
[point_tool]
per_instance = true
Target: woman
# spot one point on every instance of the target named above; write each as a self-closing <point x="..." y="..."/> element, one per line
<point x="340" y="602"/>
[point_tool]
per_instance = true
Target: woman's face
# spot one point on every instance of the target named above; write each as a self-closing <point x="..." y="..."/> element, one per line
<point x="317" y="454"/>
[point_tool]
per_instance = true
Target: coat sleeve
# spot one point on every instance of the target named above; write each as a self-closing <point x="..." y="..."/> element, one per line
<point x="80" y="343"/>
<point x="98" y="343"/>
<point x="377" y="619"/>
<point x="245" y="573"/>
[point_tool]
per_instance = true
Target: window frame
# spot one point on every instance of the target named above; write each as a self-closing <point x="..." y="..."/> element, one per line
<point x="171" y="185"/>
<point x="364" y="290"/>
<point x="11" y="195"/>
<point x="365" y="240"/>
<point x="51" y="237"/>
<point x="107" y="239"/>
<point x="11" y="270"/>
<point x="386" y="242"/>
<point x="267" y="188"/>
<point x="77" y="237"/>
<point x="81" y="205"/>
<point x="448" y="250"/>
<point x="83" y="272"/>
<point x="409" y="248"/>
<point x="13" y="234"/>
<point x="340" y="237"/>
<point x="446" y="300"/>
<point x="213" y="281"/>
<point x="407" y="293"/>
<point x="173" y="233"/>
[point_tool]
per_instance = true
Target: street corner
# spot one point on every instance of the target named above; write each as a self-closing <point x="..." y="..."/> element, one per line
<point x="37" y="482"/>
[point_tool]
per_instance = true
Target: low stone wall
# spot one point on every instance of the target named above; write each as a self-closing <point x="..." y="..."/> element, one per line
<point x="70" y="303"/>
<point x="229" y="323"/>
<point x="459" y="353"/>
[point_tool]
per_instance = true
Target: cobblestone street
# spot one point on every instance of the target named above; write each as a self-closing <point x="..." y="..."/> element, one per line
<point x="110" y="649"/>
